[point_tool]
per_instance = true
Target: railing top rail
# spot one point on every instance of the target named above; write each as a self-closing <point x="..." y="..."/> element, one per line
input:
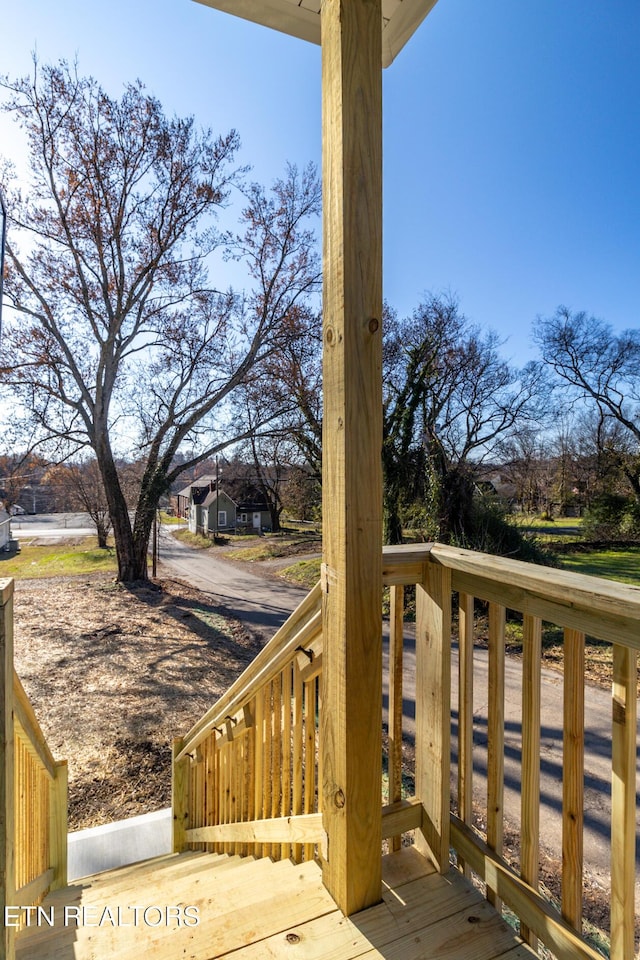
<point x="562" y="586"/>
<point x="403" y="564"/>
<point x="6" y="589"/>
<point x="29" y="723"/>
<point x="603" y="608"/>
<point x="303" y="623"/>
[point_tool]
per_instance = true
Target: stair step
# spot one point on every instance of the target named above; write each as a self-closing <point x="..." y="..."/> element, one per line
<point x="231" y="895"/>
<point x="140" y="867"/>
<point x="260" y="910"/>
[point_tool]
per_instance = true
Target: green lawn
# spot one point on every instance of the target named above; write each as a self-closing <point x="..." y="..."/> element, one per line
<point x="58" y="561"/>
<point x="614" y="564"/>
<point x="170" y="520"/>
<point x="558" y="523"/>
<point x="305" y="572"/>
<point x="193" y="539"/>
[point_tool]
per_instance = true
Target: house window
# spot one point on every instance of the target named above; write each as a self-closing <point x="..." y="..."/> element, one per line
<point x="222" y="518"/>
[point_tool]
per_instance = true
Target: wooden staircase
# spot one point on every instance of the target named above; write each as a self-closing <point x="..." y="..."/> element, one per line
<point x="260" y="909"/>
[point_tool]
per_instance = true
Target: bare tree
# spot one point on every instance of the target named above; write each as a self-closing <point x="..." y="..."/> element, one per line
<point x="596" y="365"/>
<point x="449" y="398"/>
<point x="79" y="487"/>
<point x="522" y="457"/>
<point x="126" y="345"/>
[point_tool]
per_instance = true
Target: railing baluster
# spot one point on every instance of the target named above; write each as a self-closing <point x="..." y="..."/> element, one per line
<point x="465" y="713"/>
<point x="267" y="789"/>
<point x="495" y="734"/>
<point x="234" y="760"/>
<point x="433" y="711"/>
<point x="396" y="641"/>
<point x="276" y="793"/>
<point x="218" y="781"/>
<point x="208" y="753"/>
<point x="250" y="773"/>
<point x="285" y="809"/>
<point x="258" y="809"/>
<point x="297" y="751"/>
<point x="310" y="687"/>
<point x="530" y="791"/>
<point x="573" y="778"/>
<point x="623" y="802"/>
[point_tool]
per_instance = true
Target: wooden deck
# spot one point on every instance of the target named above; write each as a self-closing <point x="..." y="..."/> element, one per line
<point x="259" y="910"/>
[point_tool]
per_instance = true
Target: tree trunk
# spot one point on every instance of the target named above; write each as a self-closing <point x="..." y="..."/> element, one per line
<point x="131" y="566"/>
<point x="392" y="524"/>
<point x="391" y="514"/>
<point x="274" y="513"/>
<point x="456" y="505"/>
<point x="102" y="530"/>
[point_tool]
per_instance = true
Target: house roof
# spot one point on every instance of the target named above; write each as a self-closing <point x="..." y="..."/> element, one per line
<point x="212" y="496"/>
<point x="301" y="18"/>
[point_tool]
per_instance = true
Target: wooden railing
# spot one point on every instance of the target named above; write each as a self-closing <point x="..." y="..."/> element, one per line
<point x="579" y="605"/>
<point x="245" y="778"/>
<point x="33" y="794"/>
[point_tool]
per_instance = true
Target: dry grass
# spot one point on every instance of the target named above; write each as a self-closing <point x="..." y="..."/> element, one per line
<point x="114" y="674"/>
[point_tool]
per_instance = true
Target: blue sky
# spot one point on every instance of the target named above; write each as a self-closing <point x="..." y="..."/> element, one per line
<point x="511" y="135"/>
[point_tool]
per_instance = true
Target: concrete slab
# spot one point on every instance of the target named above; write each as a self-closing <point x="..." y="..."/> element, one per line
<point x="118" y="843"/>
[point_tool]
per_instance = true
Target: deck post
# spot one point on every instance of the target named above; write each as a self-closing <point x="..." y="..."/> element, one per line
<point x="352" y="440"/>
<point x="179" y="796"/>
<point x="58" y="824"/>
<point x="433" y="712"/>
<point x="7" y="808"/>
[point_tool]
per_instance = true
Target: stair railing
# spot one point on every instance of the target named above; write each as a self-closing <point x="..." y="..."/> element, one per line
<point x="33" y="795"/>
<point x="245" y="777"/>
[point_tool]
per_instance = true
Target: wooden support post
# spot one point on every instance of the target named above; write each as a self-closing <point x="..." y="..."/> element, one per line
<point x="352" y="474"/>
<point x="433" y="712"/>
<point x="180" y="776"/>
<point x="58" y="825"/>
<point x="7" y="796"/>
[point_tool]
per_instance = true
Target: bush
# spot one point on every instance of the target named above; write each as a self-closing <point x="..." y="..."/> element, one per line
<point x="490" y="531"/>
<point x="612" y="516"/>
<point x="485" y="528"/>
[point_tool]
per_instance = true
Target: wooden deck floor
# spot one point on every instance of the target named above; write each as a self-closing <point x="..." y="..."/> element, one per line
<point x="259" y="910"/>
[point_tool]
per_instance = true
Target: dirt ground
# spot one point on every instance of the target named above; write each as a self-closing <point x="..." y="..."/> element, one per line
<point x="114" y="675"/>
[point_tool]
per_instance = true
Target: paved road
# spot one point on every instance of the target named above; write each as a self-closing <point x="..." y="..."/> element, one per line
<point x="597" y="802"/>
<point x="31" y="527"/>
<point x="261" y="604"/>
<point x="264" y="604"/>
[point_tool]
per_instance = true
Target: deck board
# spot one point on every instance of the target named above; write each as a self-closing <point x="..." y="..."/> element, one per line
<point x="259" y="910"/>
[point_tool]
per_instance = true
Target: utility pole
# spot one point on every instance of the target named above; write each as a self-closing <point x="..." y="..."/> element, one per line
<point x="154" y="547"/>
